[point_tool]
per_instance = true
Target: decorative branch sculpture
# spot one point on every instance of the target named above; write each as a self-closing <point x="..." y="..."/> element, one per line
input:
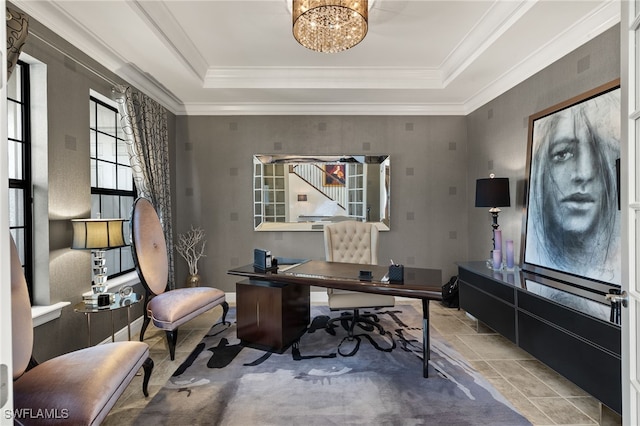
<point x="191" y="247"/>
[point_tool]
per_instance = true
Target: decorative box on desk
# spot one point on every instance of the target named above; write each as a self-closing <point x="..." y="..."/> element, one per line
<point x="271" y="315"/>
<point x="565" y="326"/>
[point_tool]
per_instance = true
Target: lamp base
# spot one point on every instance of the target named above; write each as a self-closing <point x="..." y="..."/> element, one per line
<point x="99" y="288"/>
<point x="99" y="272"/>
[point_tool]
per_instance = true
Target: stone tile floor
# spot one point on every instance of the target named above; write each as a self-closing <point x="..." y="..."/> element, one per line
<point x="540" y="394"/>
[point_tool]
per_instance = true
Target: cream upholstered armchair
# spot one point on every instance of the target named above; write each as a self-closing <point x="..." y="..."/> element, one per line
<point x="354" y="242"/>
<point x="78" y="387"/>
<point x="169" y="309"/>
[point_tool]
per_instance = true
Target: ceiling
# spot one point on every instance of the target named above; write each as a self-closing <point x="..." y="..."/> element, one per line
<point x="234" y="57"/>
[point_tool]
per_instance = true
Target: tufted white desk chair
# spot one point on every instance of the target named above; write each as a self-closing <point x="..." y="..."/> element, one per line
<point x="354" y="242"/>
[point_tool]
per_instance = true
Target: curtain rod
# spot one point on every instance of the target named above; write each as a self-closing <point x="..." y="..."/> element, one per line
<point x="73" y="58"/>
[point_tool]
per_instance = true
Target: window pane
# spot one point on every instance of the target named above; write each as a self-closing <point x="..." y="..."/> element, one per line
<point x="92" y="114"/>
<point x="113" y="261"/>
<point x="127" y="258"/>
<point x="92" y="144"/>
<point x="106" y="120"/>
<point x="14" y="84"/>
<point x="126" y="204"/>
<point x="14" y="120"/>
<point x="637" y="159"/>
<point x="18" y="238"/>
<point x="123" y="154"/>
<point x="94" y="167"/>
<point x="109" y="206"/>
<point x="15" y="160"/>
<point x="106" y="175"/>
<point x="637" y="55"/>
<point x="125" y="182"/>
<point x="106" y="148"/>
<point x="16" y="207"/>
<point x="95" y="204"/>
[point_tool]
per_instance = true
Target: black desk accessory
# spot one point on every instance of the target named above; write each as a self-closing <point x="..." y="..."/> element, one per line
<point x="396" y="273"/>
<point x="365" y="276"/>
<point x="263" y="261"/>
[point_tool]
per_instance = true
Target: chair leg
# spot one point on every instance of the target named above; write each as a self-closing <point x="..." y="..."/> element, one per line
<point x="353" y="323"/>
<point x="145" y="324"/>
<point x="172" y="338"/>
<point x="148" y="368"/>
<point x="349" y="322"/>
<point x="147" y="319"/>
<point x="225" y="310"/>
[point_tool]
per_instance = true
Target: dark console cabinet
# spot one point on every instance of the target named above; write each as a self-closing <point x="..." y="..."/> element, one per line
<point x="490" y="300"/>
<point x="571" y="334"/>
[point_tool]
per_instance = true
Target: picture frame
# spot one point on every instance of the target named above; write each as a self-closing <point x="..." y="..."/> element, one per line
<point x="335" y="175"/>
<point x="572" y="217"/>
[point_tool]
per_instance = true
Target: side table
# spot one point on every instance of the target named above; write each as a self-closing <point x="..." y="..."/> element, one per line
<point x="120" y="302"/>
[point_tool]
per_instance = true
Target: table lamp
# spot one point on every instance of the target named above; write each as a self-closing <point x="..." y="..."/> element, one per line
<point x="493" y="193"/>
<point x="98" y="235"/>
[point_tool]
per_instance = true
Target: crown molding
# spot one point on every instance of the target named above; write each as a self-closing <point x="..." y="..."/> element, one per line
<point x="498" y="19"/>
<point x="159" y="18"/>
<point x="74" y="32"/>
<point x="605" y="17"/>
<point x="56" y="19"/>
<point x="321" y="109"/>
<point x="322" y="78"/>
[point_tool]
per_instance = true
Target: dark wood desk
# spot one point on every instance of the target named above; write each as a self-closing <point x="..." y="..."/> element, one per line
<point x="419" y="283"/>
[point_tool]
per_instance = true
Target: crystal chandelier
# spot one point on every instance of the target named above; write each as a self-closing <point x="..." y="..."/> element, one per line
<point x="330" y="26"/>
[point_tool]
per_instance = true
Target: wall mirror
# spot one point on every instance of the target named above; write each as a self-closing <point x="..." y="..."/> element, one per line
<point x="304" y="193"/>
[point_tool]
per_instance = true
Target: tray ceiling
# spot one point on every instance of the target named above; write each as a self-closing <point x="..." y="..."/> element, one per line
<point x="236" y="57"/>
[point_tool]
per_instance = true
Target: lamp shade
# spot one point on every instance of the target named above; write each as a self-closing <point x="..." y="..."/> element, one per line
<point x="98" y="233"/>
<point x="493" y="192"/>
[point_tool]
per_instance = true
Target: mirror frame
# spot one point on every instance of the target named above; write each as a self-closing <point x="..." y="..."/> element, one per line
<point x="274" y="184"/>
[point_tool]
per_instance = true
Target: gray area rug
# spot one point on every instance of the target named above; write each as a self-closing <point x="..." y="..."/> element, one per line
<point x="312" y="383"/>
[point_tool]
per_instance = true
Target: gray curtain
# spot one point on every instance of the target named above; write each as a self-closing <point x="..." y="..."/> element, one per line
<point x="17" y="31"/>
<point x="144" y="122"/>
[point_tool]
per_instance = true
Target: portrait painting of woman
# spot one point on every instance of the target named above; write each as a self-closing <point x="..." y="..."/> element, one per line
<point x="335" y="174"/>
<point x="573" y="219"/>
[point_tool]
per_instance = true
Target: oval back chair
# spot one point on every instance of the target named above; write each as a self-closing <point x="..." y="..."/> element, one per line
<point x="168" y="309"/>
<point x="80" y="386"/>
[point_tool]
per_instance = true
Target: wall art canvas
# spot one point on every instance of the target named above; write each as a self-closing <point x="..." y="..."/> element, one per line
<point x="335" y="174"/>
<point x="572" y="221"/>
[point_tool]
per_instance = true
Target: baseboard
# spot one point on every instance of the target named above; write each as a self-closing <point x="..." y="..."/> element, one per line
<point x="122" y="334"/>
